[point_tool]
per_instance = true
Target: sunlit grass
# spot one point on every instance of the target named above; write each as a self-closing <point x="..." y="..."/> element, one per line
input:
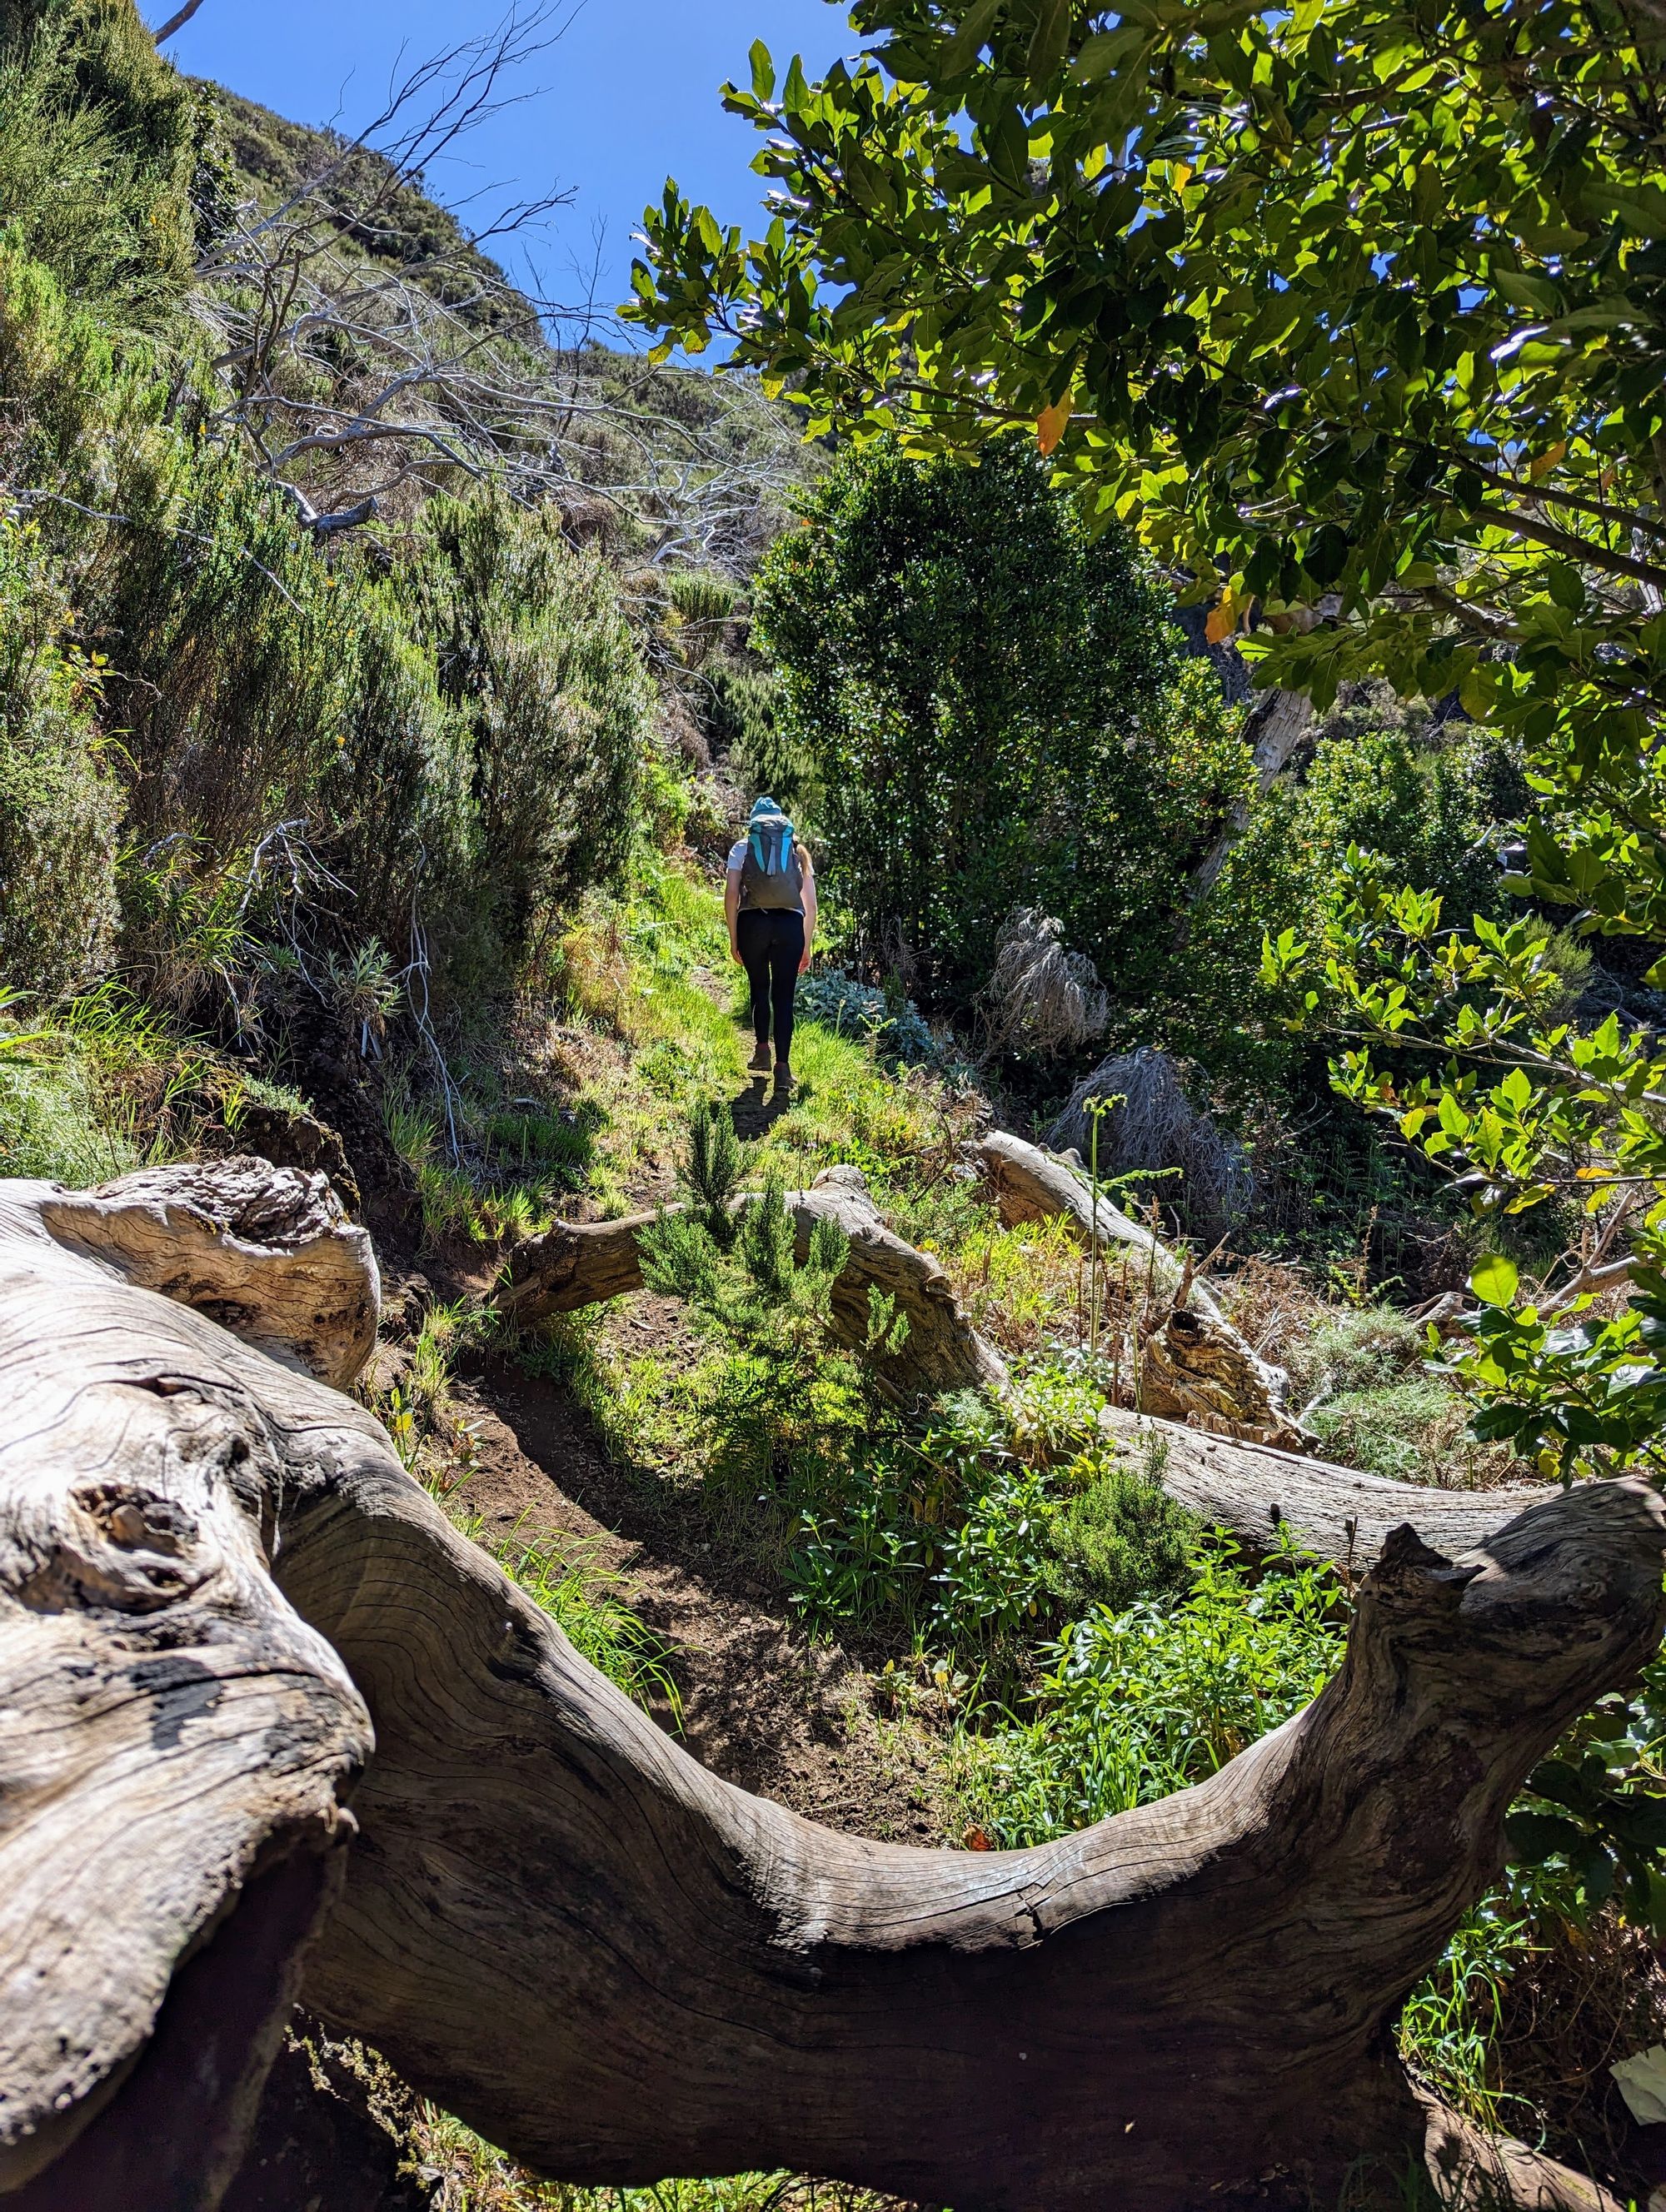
<point x="1022" y="1286"/>
<point x="472" y="2177"/>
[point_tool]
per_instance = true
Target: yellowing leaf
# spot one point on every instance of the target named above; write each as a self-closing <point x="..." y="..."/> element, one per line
<point x="1547" y="461"/>
<point x="1050" y="423"/>
<point x="1224" y="617"/>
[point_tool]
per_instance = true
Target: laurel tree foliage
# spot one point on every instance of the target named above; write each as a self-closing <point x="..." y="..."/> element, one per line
<point x="1356" y="313"/>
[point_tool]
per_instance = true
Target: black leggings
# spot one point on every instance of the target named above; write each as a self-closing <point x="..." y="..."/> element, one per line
<point x="771" y="944"/>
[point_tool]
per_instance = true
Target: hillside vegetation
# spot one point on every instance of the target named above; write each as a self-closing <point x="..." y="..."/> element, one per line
<point x="364" y="805"/>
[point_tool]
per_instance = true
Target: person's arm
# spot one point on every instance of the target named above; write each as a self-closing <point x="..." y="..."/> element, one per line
<point x="731" y="911"/>
<point x="809" y="907"/>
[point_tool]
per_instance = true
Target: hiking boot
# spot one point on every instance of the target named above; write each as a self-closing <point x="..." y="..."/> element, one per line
<point x="759" y="1062"/>
<point x="785" y="1086"/>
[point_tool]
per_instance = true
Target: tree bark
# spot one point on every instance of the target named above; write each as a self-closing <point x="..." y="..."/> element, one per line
<point x="177" y="21"/>
<point x="1277" y="724"/>
<point x="555" y="1923"/>
<point x="578" y="1264"/>
<point x="1197" y="1365"/>
<point x="177" y="1740"/>
<point x="1340" y="1513"/>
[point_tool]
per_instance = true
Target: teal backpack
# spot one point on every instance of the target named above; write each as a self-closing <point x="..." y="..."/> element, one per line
<point x="771" y="875"/>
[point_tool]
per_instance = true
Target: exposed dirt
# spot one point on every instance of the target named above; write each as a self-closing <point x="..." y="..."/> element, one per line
<point x="762" y="1705"/>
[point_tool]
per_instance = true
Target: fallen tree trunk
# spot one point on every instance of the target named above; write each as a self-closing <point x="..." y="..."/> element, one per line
<point x="606" y="1959"/>
<point x="578" y="1264"/>
<point x="1195" y="1366"/>
<point x="1341" y="1513"/>
<point x="177" y="1743"/>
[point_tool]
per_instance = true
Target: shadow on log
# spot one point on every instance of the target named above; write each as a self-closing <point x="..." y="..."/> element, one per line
<point x="213" y="1569"/>
<point x="578" y="1264"/>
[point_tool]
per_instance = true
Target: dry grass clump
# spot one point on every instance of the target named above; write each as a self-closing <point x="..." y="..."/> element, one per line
<point x="1360" y="1375"/>
<point x="1581" y="2000"/>
<point x="1040" y="999"/>
<point x="1023" y="1287"/>
<point x="467" y="2175"/>
<point x="1156" y="1131"/>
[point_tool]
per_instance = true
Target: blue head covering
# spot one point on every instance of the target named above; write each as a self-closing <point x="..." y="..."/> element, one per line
<point x="765" y="811"/>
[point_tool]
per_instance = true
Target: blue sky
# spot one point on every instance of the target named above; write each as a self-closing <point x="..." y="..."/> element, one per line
<point x="627" y="97"/>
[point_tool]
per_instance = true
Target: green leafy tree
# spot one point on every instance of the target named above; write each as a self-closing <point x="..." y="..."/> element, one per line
<point x="1356" y="313"/>
<point x="990" y="702"/>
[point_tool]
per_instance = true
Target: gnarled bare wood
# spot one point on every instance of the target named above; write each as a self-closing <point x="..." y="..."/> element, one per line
<point x="1199" y="1368"/>
<point x="574" y="1264"/>
<point x="175" y="1741"/>
<point x="605" y="1958"/>
<point x="577" y="1264"/>
<point x="1340" y="1512"/>
<point x="1476" y="2170"/>
<point x="267" y="1251"/>
<point x="942" y="1350"/>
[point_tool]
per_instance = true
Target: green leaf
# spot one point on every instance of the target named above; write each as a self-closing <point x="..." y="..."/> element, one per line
<point x="1535" y="1837"/>
<point x="1108" y="49"/>
<point x="1051" y="42"/>
<point x="976" y="25"/>
<point x="1495" y="1280"/>
<point x="763" y="72"/>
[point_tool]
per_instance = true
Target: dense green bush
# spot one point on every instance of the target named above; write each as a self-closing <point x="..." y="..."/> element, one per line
<point x="533" y="655"/>
<point x="59" y="805"/>
<point x="1436" y="802"/>
<point x="446" y="727"/>
<point x="985" y="696"/>
<point x="991" y="1520"/>
<point x="240" y="655"/>
<point x="460" y="734"/>
<point x="1139" y="1703"/>
<point x="99" y="140"/>
<point x="1119" y="1536"/>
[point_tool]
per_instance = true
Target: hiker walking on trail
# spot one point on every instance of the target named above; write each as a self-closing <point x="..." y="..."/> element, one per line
<point x="771" y="902"/>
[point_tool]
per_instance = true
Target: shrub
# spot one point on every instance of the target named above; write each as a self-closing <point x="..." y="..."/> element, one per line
<point x="59" y="805"/>
<point x="1382" y="778"/>
<point x="99" y="140"/>
<point x="1120" y="1538"/>
<point x="534" y="655"/>
<point x="399" y="795"/>
<point x="893" y="1024"/>
<point x="240" y="651"/>
<point x="1140" y="1702"/>
<point x="980" y="689"/>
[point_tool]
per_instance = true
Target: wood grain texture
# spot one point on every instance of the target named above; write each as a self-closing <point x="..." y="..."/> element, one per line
<point x="1340" y="1512"/>
<point x="173" y="1734"/>
<point x="554" y="1921"/>
<point x="268" y="1252"/>
<point x="619" y="1966"/>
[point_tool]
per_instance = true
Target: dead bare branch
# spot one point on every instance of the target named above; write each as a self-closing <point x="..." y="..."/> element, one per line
<point x="177" y="23"/>
<point x="368" y="357"/>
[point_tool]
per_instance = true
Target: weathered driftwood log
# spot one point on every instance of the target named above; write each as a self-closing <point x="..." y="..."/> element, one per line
<point x="616" y="1965"/>
<point x="942" y="1350"/>
<point x="269" y="1253"/>
<point x="176" y="1742"/>
<point x="1196" y="1366"/>
<point x="581" y="1263"/>
<point x="1339" y="1512"/>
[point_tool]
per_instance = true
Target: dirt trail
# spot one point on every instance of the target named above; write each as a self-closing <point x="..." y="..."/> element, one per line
<point x="761" y="1704"/>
